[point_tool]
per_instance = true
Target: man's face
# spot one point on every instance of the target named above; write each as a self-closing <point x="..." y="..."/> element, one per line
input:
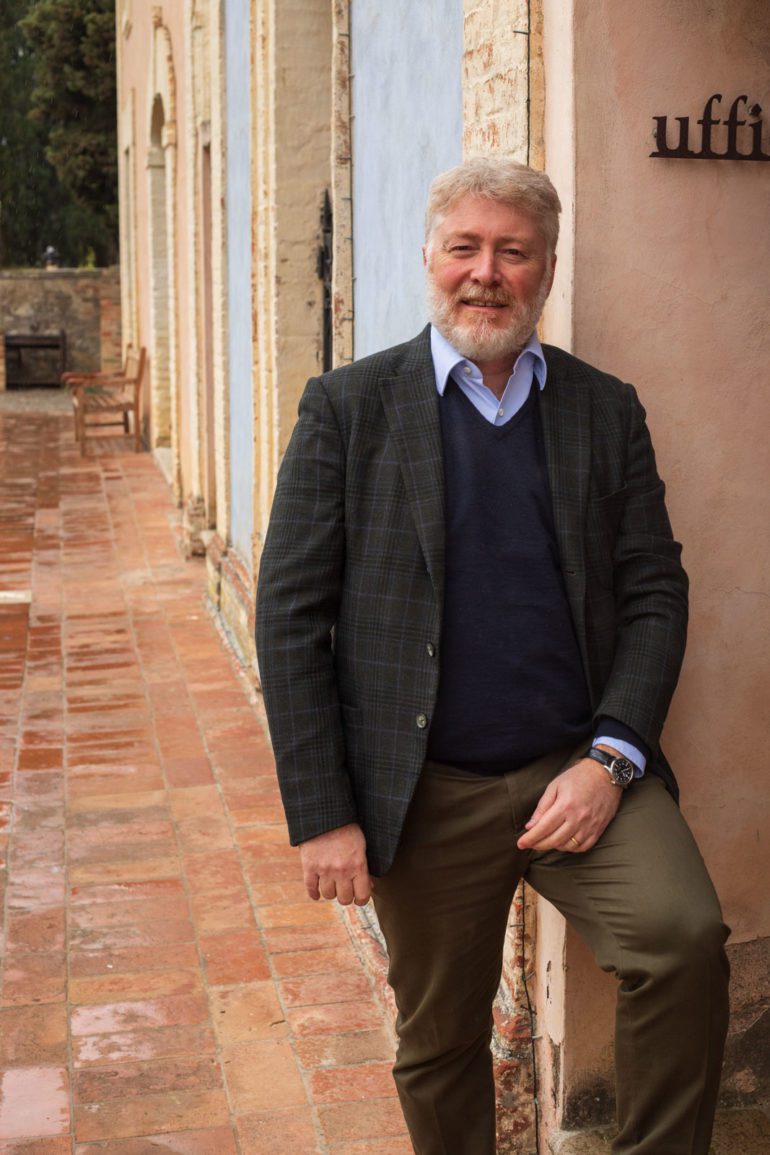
<point x="488" y="276"/>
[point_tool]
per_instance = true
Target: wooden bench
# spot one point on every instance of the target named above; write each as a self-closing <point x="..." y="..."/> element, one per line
<point x="76" y="376"/>
<point x="104" y="394"/>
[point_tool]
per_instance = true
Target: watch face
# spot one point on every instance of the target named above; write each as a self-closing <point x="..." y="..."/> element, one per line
<point x="622" y="772"/>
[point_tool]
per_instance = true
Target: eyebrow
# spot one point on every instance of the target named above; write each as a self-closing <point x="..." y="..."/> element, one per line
<point x="468" y="234"/>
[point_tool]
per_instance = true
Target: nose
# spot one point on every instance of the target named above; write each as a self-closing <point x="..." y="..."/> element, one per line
<point x="485" y="267"/>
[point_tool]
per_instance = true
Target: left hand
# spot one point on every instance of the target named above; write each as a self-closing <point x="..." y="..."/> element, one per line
<point x="334" y="866"/>
<point x="574" y="810"/>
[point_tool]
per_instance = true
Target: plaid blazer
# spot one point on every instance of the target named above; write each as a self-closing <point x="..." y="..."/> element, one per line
<point x="350" y="587"/>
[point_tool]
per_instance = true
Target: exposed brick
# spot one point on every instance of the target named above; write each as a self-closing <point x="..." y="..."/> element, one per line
<point x="85" y="303"/>
<point x="495" y="78"/>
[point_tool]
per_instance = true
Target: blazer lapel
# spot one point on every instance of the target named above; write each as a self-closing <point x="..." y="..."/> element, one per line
<point x="565" y="407"/>
<point x="410" y="402"/>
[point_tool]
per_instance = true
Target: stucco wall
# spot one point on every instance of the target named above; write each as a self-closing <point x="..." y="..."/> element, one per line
<point x="671" y="282"/>
<point x="407" y="107"/>
<point x="238" y="128"/>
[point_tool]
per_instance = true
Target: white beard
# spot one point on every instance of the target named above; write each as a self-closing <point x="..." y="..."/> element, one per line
<point x="481" y="339"/>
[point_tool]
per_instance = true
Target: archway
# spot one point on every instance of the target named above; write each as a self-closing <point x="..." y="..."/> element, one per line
<point x="160" y="407"/>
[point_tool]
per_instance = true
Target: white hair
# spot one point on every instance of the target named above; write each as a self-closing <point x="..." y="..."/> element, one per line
<point x="497" y="179"/>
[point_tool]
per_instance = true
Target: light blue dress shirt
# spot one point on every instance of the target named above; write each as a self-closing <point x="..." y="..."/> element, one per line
<point x="448" y="362"/>
<point x="529" y="365"/>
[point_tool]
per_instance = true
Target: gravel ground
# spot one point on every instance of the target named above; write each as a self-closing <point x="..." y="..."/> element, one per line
<point x="34" y="400"/>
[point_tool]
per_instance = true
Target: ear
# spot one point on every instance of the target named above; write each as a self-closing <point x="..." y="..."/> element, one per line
<point x="553" y="272"/>
<point x="425" y="256"/>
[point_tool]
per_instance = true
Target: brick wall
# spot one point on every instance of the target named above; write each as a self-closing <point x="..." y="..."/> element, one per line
<point x="85" y="303"/>
<point x="110" y="331"/>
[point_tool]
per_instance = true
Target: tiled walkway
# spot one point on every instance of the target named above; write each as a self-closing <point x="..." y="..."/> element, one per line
<point x="166" y="986"/>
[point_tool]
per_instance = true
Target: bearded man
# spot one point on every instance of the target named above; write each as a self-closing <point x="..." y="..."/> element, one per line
<point x="471" y="619"/>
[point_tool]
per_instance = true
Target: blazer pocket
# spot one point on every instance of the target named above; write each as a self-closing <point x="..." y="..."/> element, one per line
<point x="608" y="499"/>
<point x="603" y="518"/>
<point x="605" y="510"/>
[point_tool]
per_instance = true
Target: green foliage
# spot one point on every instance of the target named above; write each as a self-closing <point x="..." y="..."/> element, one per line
<point x="58" y="149"/>
<point x="27" y="181"/>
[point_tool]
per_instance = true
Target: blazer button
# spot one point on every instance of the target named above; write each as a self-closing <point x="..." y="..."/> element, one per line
<point x="422" y="721"/>
<point x="431" y="650"/>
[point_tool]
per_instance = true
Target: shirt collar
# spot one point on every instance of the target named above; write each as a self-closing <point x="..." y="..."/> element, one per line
<point x="446" y="359"/>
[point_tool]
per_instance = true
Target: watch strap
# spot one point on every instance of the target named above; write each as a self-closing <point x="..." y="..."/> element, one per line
<point x="608" y="762"/>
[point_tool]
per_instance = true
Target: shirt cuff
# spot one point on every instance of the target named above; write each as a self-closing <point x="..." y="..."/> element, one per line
<point x="633" y="753"/>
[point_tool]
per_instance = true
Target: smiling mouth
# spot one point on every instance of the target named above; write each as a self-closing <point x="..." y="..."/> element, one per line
<point x="472" y="304"/>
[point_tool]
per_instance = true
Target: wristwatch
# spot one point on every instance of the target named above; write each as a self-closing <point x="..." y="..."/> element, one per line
<point x="621" y="770"/>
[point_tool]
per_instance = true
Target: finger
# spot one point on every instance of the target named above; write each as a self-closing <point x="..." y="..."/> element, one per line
<point x="547" y="800"/>
<point x="587" y="840"/>
<point x="587" y="843"/>
<point x="344" y="892"/>
<point x="552" y="842"/>
<point x="551" y="821"/>
<point x="362" y="888"/>
<point x="562" y="836"/>
<point x="311" y="886"/>
<point x="328" y="888"/>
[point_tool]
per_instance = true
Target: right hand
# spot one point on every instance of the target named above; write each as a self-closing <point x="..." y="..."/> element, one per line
<point x="334" y="866"/>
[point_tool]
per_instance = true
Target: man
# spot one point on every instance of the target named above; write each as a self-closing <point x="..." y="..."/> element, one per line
<point x="471" y="619"/>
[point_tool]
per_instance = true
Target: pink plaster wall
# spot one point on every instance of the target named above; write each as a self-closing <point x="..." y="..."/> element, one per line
<point x="671" y="292"/>
<point x="672" y="283"/>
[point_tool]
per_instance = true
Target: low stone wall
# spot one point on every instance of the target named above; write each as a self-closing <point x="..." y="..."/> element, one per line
<point x="84" y="303"/>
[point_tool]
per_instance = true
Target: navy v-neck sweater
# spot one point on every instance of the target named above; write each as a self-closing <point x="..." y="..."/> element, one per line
<point x="512" y="686"/>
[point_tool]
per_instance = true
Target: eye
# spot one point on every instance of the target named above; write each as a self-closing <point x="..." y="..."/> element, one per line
<point x="461" y="248"/>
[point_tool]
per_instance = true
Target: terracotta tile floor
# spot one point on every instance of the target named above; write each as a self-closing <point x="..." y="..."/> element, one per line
<point x="166" y="987"/>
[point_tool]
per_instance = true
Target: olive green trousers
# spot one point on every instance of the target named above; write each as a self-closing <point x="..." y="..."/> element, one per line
<point x="642" y="900"/>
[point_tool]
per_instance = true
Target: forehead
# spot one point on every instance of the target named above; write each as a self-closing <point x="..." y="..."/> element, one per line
<point x="482" y="216"/>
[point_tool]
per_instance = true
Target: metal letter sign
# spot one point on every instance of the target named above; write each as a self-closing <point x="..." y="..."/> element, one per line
<point x="727" y="139"/>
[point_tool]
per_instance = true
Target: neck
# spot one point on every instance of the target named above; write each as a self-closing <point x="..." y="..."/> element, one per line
<point x="496" y="373"/>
